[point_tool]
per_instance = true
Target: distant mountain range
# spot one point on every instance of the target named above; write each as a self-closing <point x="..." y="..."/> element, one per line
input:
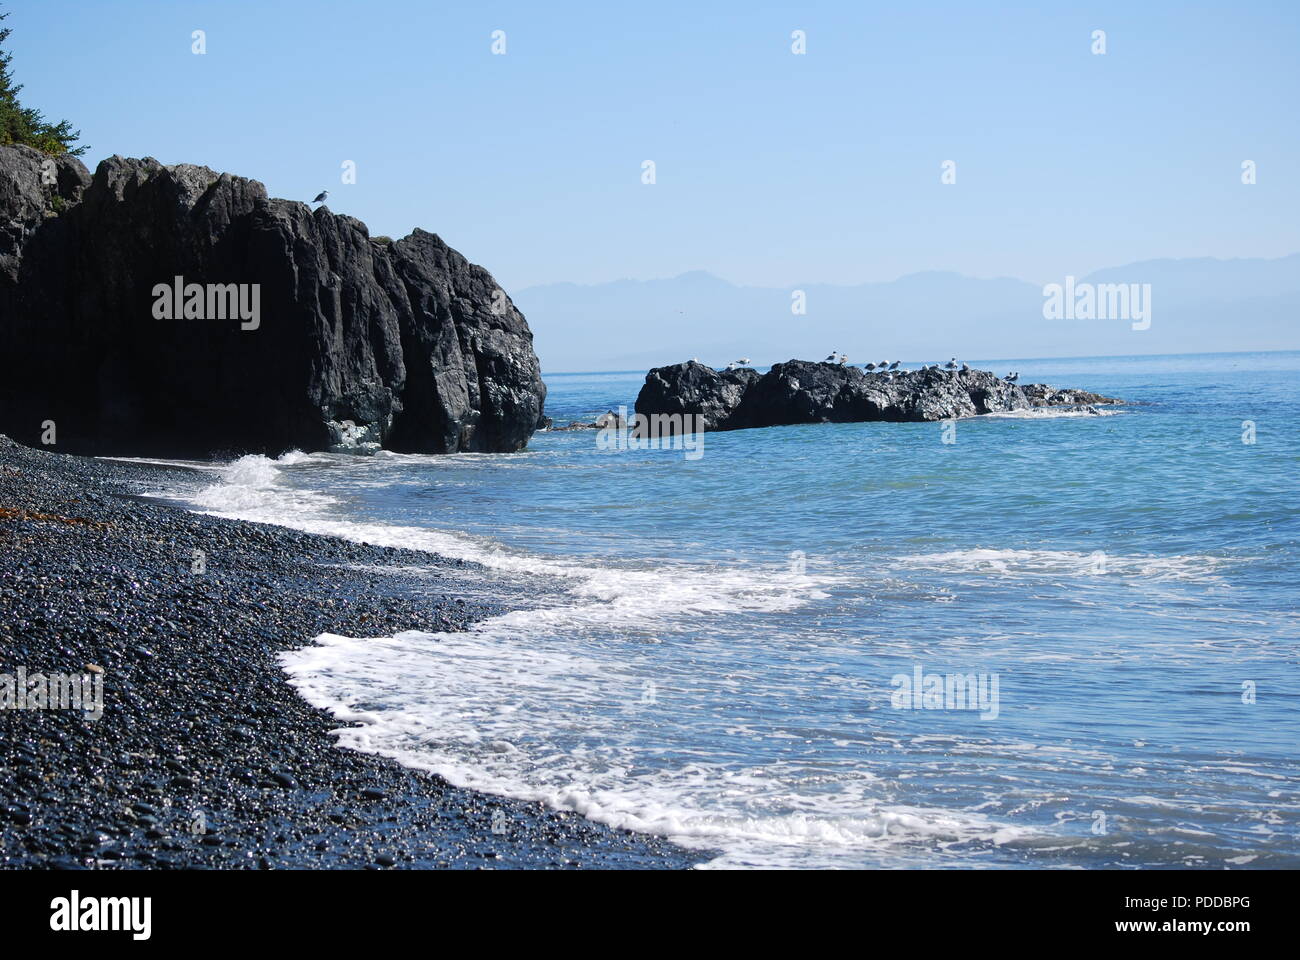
<point x="1198" y="305"/>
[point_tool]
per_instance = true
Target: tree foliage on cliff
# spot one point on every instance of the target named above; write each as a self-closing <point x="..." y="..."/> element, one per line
<point x="25" y="125"/>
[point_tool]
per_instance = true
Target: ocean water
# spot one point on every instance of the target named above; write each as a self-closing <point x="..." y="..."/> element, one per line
<point x="715" y="649"/>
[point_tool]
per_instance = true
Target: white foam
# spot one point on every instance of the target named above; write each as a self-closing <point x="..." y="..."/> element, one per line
<point x="500" y="709"/>
<point x="547" y="703"/>
<point x="1056" y="563"/>
<point x="1052" y="413"/>
<point x="254" y="488"/>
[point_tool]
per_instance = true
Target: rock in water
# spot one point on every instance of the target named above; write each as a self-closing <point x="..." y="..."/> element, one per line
<point x="402" y="344"/>
<point x="693" y="388"/>
<point x="800" y="391"/>
<point x="1041" y="395"/>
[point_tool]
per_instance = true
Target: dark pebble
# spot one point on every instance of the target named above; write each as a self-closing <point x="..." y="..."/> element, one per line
<point x="198" y="712"/>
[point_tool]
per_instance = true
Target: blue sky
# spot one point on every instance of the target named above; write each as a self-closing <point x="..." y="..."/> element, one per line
<point x="772" y="169"/>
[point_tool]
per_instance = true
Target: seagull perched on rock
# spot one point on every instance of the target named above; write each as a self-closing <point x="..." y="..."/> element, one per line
<point x="1012" y="377"/>
<point x="831" y="358"/>
<point x="894" y="365"/>
<point x="869" y="367"/>
<point x="320" y="197"/>
<point x="743" y="362"/>
<point x="964" y="368"/>
<point x="951" y="364"/>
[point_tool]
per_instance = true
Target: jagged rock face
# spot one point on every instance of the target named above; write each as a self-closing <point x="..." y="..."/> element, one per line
<point x="693" y="388"/>
<point x="33" y="189"/>
<point x="800" y="391"/>
<point x="408" y="341"/>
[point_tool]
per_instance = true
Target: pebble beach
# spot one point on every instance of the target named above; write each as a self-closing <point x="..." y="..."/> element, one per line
<point x="204" y="756"/>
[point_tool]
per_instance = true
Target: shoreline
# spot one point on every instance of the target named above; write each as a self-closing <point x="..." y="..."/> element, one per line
<point x="205" y="756"/>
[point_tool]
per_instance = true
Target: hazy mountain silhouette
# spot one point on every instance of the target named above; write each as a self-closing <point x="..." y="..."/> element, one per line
<point x="1198" y="305"/>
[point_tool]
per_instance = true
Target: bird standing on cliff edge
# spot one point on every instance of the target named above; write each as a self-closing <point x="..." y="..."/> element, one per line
<point x="320" y="197"/>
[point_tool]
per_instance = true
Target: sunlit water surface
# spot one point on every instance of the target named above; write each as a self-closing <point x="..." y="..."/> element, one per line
<point x="716" y="656"/>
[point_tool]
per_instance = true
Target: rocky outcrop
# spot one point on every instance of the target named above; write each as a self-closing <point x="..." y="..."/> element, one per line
<point x="693" y="388"/>
<point x="356" y="342"/>
<point x="1041" y="395"/>
<point x="803" y="392"/>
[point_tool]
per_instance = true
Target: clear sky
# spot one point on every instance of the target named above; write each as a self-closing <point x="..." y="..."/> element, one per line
<point x="772" y="168"/>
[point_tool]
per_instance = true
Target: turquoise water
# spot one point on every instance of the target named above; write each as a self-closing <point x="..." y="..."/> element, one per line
<point x="714" y="645"/>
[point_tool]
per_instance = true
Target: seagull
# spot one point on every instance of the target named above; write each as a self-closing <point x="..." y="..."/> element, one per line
<point x="870" y="366"/>
<point x="1012" y="377"/>
<point x="843" y="359"/>
<point x="951" y="364"/>
<point x="894" y="365"/>
<point x="964" y="368"/>
<point x="743" y="362"/>
<point x="320" y="197"/>
<point x="831" y="358"/>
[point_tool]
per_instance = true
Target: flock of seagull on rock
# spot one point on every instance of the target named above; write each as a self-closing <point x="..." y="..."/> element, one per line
<point x="884" y="366"/>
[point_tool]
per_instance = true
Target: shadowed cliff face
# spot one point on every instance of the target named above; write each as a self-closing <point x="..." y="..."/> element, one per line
<point x="800" y="391"/>
<point x="413" y="344"/>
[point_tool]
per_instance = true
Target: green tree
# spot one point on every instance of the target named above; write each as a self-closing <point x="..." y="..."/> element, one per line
<point x="19" y="124"/>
